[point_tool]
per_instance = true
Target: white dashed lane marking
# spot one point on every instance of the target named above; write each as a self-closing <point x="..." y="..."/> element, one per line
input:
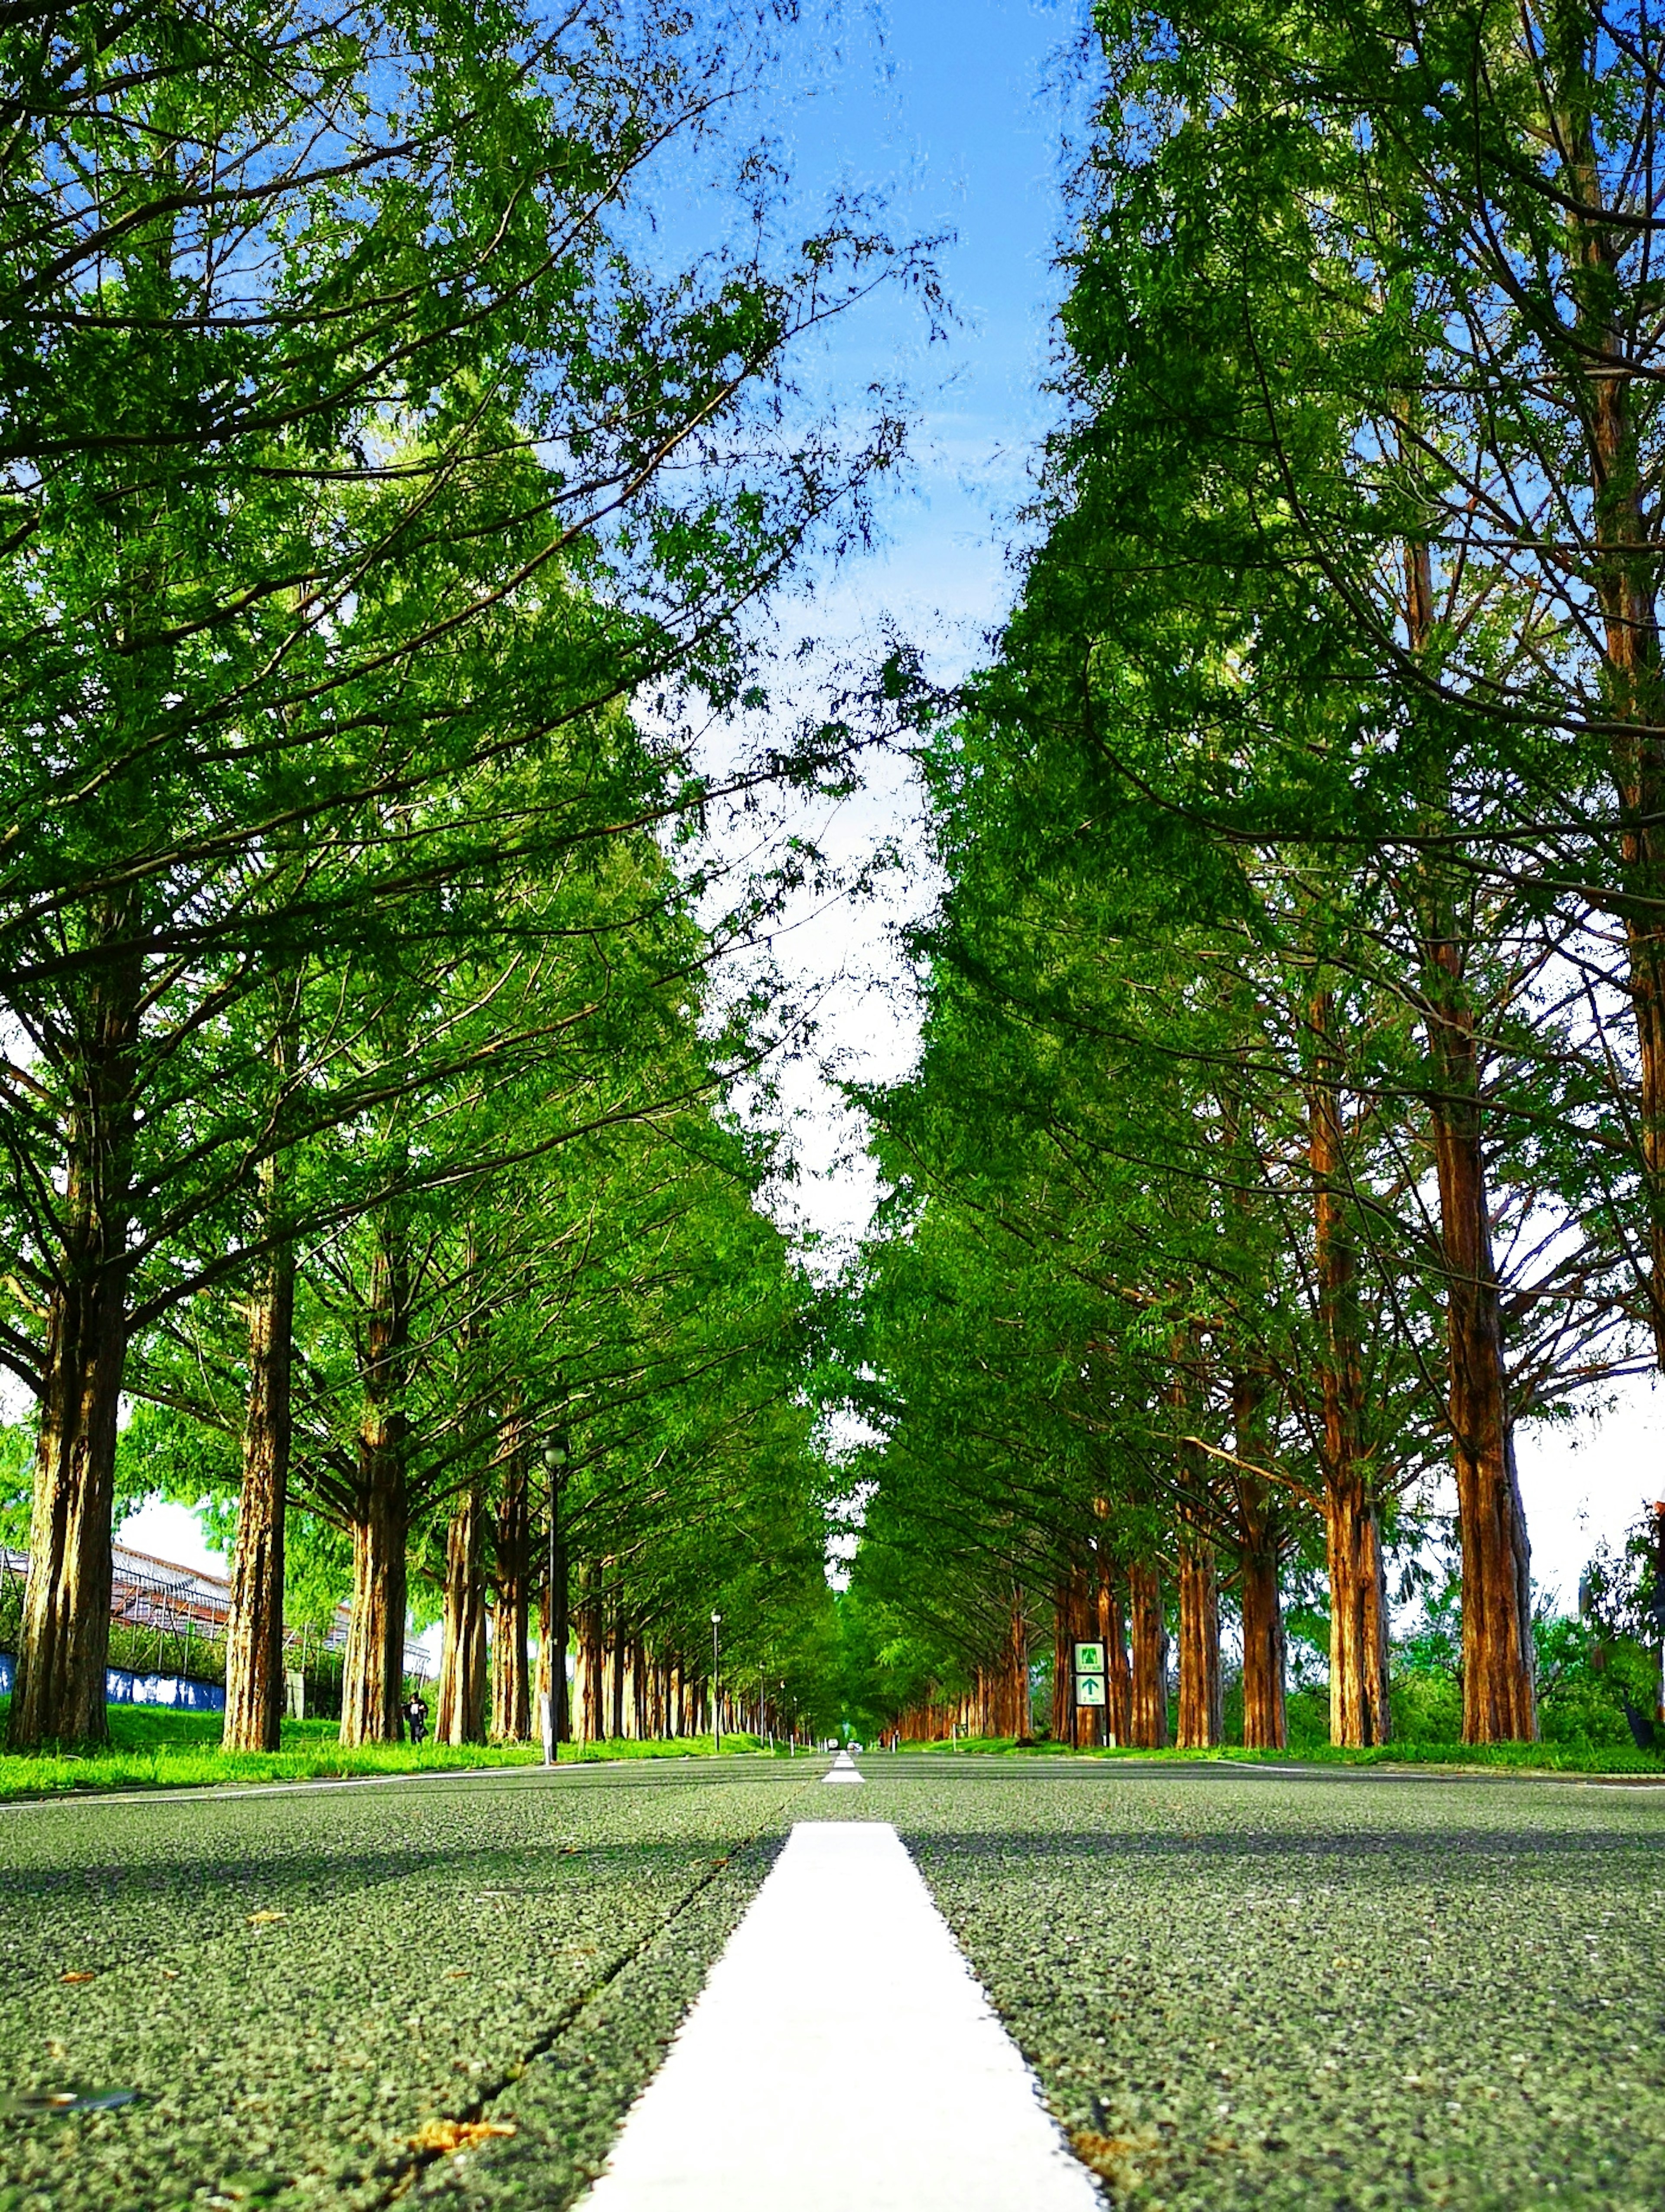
<point x="843" y="2058"/>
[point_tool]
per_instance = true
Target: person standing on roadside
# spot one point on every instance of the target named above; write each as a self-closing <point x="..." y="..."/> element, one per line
<point x="416" y="1715"/>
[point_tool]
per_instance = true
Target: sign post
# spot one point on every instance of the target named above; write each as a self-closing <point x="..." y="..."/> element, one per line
<point x="1089" y="1676"/>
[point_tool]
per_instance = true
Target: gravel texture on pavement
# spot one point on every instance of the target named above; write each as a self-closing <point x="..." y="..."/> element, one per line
<point x="1238" y="1987"/>
<point x="1247" y="1989"/>
<point x="312" y="1991"/>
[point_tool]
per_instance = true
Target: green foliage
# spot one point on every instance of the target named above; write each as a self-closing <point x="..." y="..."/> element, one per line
<point x="16" y="1483"/>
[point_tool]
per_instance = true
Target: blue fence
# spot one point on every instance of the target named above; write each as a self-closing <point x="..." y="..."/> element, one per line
<point x="122" y="1687"/>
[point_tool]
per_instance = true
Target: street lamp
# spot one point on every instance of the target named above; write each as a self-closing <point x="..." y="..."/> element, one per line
<point x="555" y="1459"/>
<point x="716" y="1702"/>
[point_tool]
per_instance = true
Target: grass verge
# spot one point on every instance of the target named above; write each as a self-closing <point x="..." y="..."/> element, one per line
<point x="151" y="1749"/>
<point x="1522" y="1758"/>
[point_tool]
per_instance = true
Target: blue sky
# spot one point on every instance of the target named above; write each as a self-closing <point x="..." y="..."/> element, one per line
<point x="945" y="108"/>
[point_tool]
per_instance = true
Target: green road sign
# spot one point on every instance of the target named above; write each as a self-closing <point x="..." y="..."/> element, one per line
<point x="1089" y="1658"/>
<point x="1089" y="1689"/>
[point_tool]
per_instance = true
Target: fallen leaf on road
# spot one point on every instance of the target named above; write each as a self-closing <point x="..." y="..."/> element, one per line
<point x="83" y="1975"/>
<point x="457" y="2135"/>
<point x="1122" y="2160"/>
<point x="265" y="1919"/>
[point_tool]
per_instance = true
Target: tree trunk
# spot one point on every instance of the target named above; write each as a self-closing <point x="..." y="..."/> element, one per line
<point x="460" y="1715"/>
<point x="1015" y="1672"/>
<point x="1065" y="1627"/>
<point x="1149" y="1720"/>
<point x="560" y="1636"/>
<point x="1199" y="1690"/>
<point x="254" y="1625"/>
<point x="1353" y="1530"/>
<point x="373" y="1666"/>
<point x="65" y="1643"/>
<point x="1266" y="1726"/>
<point x="1118" y="1672"/>
<point x="540" y="1688"/>
<point x="511" y="1687"/>
<point x="1498" y="1700"/>
<point x="615" y="1651"/>
<point x="1266" y="1720"/>
<point x="593" y="1724"/>
<point x="1359" y="1614"/>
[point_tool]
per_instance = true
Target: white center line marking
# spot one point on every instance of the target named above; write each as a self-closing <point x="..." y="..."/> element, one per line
<point x="843" y="2058"/>
<point x="843" y="1770"/>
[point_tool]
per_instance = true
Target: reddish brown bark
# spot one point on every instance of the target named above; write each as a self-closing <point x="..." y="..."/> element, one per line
<point x="558" y="1610"/>
<point x="1200" y="1724"/>
<point x="372" y="1665"/>
<point x="1358" y="1615"/>
<point x="1266" y="1726"/>
<point x="65" y="1643"/>
<point x="254" y="1626"/>
<point x="1016" y="1719"/>
<point x="591" y="1711"/>
<point x="1498" y="1700"/>
<point x="460" y="1714"/>
<point x="1200" y="1719"/>
<point x="1119" y="1674"/>
<point x="1353" y="1531"/>
<point x="1148" y="1724"/>
<point x="1072" y="1622"/>
<point x="511" y="1687"/>
<point x="540" y="1683"/>
<point x="618" y="1663"/>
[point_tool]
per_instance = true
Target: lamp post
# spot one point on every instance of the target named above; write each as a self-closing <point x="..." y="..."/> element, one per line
<point x="555" y="1459"/>
<point x="716" y="1700"/>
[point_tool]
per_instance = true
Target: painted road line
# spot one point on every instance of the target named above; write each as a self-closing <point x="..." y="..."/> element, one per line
<point x="843" y="1770"/>
<point x="843" y="2058"/>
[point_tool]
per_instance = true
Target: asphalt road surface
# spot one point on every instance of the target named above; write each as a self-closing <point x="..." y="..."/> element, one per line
<point x="1237" y="1987"/>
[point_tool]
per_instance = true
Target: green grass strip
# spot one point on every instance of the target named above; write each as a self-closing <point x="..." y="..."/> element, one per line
<point x="152" y="1749"/>
<point x="1525" y="1757"/>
